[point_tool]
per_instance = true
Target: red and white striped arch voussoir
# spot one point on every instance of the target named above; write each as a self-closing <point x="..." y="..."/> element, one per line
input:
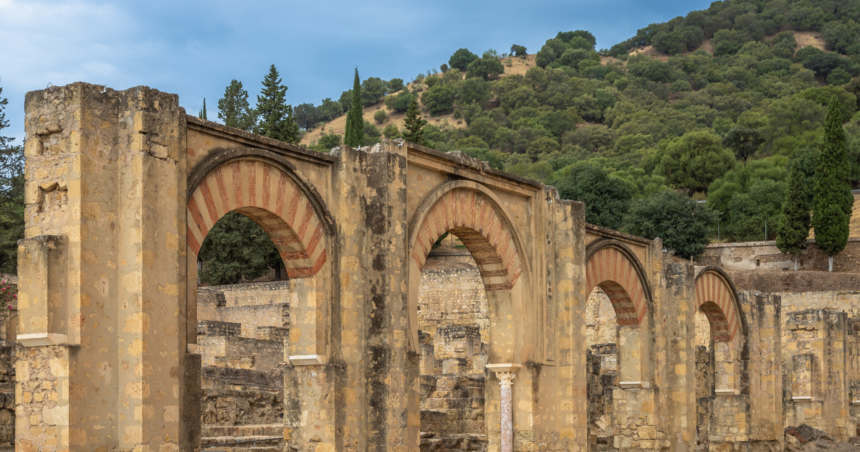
<point x="271" y="198"/>
<point x="472" y="217"/>
<point x="717" y="300"/>
<point x="613" y="271"/>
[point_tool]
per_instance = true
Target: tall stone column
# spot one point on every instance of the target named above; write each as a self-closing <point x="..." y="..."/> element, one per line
<point x="102" y="305"/>
<point x="506" y="374"/>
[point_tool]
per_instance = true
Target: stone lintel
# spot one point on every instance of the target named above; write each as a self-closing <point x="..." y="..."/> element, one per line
<point x="307" y="360"/>
<point x="726" y="392"/>
<point x="42" y="339"/>
<point x="634" y="384"/>
<point x="802" y="399"/>
<point x="504" y="367"/>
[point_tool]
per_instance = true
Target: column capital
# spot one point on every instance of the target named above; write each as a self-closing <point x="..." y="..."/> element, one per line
<point x="506" y="372"/>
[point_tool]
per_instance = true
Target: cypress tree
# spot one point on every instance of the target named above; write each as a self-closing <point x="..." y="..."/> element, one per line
<point x="354" y="134"/>
<point x="276" y="117"/>
<point x="833" y="200"/>
<point x="793" y="228"/>
<point x="413" y="124"/>
<point x="202" y="114"/>
<point x="234" y="108"/>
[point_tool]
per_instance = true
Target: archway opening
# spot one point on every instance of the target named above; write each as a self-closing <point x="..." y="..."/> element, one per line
<point x="717" y="354"/>
<point x="249" y="218"/>
<point x="704" y="377"/>
<point x="242" y="329"/>
<point x="619" y="383"/>
<point x="601" y="340"/>
<point x="471" y="222"/>
<point x="454" y="323"/>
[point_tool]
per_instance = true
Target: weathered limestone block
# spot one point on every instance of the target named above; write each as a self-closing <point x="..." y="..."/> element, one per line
<point x="761" y="314"/>
<point x="105" y="171"/>
<point x="816" y="374"/>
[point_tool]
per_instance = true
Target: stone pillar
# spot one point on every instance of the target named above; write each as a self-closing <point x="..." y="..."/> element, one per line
<point x="102" y="309"/>
<point x="761" y="314"/>
<point x="679" y="299"/>
<point x="378" y="394"/>
<point x="506" y="373"/>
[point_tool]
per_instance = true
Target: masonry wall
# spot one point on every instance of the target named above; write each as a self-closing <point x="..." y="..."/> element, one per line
<point x="747" y="256"/>
<point x="454" y="329"/>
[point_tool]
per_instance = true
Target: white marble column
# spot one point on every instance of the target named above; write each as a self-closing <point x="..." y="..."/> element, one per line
<point x="506" y="373"/>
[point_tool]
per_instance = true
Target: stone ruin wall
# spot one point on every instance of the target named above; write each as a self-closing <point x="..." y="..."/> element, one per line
<point x="243" y="330"/>
<point x="242" y="333"/>
<point x="453" y="320"/>
<point x="452" y="296"/>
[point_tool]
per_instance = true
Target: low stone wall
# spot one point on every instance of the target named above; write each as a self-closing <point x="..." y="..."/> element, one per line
<point x="253" y="318"/>
<point x="242" y="404"/>
<point x="250" y="294"/>
<point x="747" y="256"/>
<point x="241" y="352"/>
<point x="843" y="300"/>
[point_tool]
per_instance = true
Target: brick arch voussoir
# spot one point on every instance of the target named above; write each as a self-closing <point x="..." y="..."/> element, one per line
<point x="267" y="193"/>
<point x="480" y="224"/>
<point x="614" y="268"/>
<point x="717" y="297"/>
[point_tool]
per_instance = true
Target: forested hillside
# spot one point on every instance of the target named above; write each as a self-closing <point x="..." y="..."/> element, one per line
<point x="715" y="104"/>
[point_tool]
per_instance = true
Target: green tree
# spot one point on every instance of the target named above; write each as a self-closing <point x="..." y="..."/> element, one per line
<point x="461" y="59"/>
<point x="372" y="90"/>
<point x="11" y="201"/>
<point x="306" y="116"/>
<point x="743" y="142"/>
<point x="399" y="102"/>
<point x="276" y="117"/>
<point x="329" y="110"/>
<point x="202" y="114"/>
<point x="234" y="108"/>
<point x="755" y="213"/>
<point x="391" y="131"/>
<point x="833" y="199"/>
<point x="795" y="220"/>
<point x="395" y="84"/>
<point x="380" y="116"/>
<point x="541" y="146"/>
<point x="680" y="222"/>
<point x="439" y="100"/>
<point x="694" y="160"/>
<point x="518" y="50"/>
<point x="11" y="196"/>
<point x="413" y="125"/>
<point x="372" y="134"/>
<point x="236" y="248"/>
<point x="472" y="90"/>
<point x="485" y="68"/>
<point x="606" y="200"/>
<point x="345" y="100"/>
<point x="354" y="135"/>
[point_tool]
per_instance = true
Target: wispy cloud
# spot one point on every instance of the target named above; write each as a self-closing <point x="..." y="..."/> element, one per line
<point x="194" y="48"/>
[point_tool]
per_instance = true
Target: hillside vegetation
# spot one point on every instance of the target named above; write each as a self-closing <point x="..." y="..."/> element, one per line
<point x="715" y="104"/>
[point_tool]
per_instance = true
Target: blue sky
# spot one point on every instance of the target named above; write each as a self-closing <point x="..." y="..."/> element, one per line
<point x="194" y="48"/>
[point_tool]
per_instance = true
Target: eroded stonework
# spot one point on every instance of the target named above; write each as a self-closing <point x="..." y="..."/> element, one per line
<point x="122" y="188"/>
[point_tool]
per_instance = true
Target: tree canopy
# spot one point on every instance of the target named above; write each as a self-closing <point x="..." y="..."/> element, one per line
<point x="354" y="135"/>
<point x="833" y="199"/>
<point x="236" y="248"/>
<point x="233" y="108"/>
<point x="11" y="195"/>
<point x="276" y="117"/>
